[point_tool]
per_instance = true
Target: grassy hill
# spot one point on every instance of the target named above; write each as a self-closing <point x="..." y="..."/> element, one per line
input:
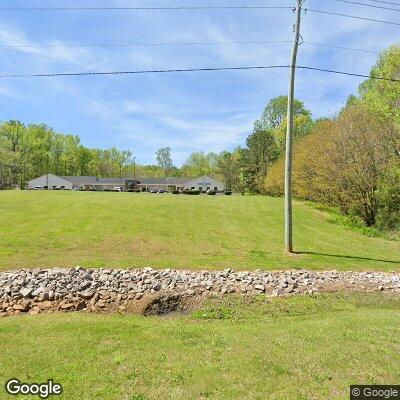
<point x="307" y="347"/>
<point x="47" y="229"/>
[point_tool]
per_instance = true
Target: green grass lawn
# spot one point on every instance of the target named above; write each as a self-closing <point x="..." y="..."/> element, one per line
<point x="299" y="348"/>
<point x="48" y="229"/>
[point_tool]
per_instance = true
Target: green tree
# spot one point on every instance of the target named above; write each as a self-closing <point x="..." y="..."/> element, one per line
<point x="229" y="169"/>
<point x="260" y="152"/>
<point x="200" y="163"/>
<point x="383" y="97"/>
<point x="164" y="160"/>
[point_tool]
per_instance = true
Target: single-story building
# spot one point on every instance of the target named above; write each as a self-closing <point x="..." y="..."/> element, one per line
<point x="54" y="182"/>
<point x="168" y="184"/>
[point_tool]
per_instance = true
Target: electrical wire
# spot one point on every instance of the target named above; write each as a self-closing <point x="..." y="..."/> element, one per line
<point x="368" y="5"/>
<point x="352" y="16"/>
<point x="147" y="44"/>
<point x="385" y="2"/>
<point x="163" y="71"/>
<point x="155" y="44"/>
<point x="142" y="8"/>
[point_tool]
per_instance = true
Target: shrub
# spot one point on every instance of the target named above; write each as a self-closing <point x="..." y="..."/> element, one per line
<point x="175" y="192"/>
<point x="389" y="199"/>
<point x="227" y="193"/>
<point x="211" y="192"/>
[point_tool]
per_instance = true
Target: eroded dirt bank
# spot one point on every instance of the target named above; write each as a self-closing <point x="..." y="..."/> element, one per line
<point x="150" y="291"/>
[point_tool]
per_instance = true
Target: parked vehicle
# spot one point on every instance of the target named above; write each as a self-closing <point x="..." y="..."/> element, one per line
<point x="38" y="188"/>
<point x="118" y="189"/>
<point x="162" y="191"/>
<point x="153" y="191"/>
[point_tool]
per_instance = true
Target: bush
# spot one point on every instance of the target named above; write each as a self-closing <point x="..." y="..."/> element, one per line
<point x="175" y="192"/>
<point x="196" y="192"/>
<point x="227" y="193"/>
<point x="187" y="191"/>
<point x="211" y="192"/>
<point x="389" y="200"/>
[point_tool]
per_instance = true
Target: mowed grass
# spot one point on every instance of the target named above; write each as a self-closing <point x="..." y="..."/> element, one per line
<point x="299" y="348"/>
<point x="66" y="229"/>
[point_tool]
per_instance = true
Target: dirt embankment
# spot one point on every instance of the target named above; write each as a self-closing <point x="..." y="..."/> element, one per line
<point x="149" y="291"/>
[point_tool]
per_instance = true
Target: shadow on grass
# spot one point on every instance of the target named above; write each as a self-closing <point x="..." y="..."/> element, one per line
<point x="313" y="253"/>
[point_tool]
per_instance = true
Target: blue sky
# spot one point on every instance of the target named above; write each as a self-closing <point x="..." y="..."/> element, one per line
<point x="205" y="111"/>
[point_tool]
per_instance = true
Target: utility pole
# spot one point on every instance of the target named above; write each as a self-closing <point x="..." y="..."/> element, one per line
<point x="47" y="172"/>
<point x="289" y="135"/>
<point x="134" y="173"/>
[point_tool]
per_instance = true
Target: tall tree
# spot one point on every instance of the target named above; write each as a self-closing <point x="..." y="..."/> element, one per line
<point x="260" y="152"/>
<point x="275" y="113"/>
<point x="200" y="163"/>
<point x="164" y="159"/>
<point x="230" y="169"/>
<point x="383" y="97"/>
<point x="274" y="119"/>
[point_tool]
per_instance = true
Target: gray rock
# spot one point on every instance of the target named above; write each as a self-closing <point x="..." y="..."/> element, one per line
<point x="26" y="292"/>
<point x="84" y="285"/>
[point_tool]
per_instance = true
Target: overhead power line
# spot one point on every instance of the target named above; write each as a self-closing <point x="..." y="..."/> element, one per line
<point x="164" y="71"/>
<point x="141" y="8"/>
<point x="353" y="16"/>
<point x="155" y="44"/>
<point x="344" y="48"/>
<point x="146" y="44"/>
<point x="255" y="7"/>
<point x="368" y="5"/>
<point x="385" y="2"/>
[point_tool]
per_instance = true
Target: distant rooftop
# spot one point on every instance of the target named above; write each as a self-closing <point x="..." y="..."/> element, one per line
<point x="164" y="181"/>
<point x="81" y="180"/>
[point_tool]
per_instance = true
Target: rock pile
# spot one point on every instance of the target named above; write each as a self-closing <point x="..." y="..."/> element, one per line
<point x="48" y="290"/>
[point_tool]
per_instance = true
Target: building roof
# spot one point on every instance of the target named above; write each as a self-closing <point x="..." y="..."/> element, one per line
<point x="164" y="181"/>
<point x="81" y="180"/>
<point x="112" y="181"/>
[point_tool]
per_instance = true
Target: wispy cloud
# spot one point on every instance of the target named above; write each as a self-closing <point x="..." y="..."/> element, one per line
<point x="189" y="112"/>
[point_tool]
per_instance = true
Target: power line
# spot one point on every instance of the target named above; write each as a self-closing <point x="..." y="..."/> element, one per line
<point x="353" y="16"/>
<point x="344" y="48"/>
<point x="142" y="8"/>
<point x="385" y="2"/>
<point x="163" y="71"/>
<point x="381" y="78"/>
<point x="368" y="5"/>
<point x="155" y="44"/>
<point x="189" y="8"/>
<point x="145" y="44"/>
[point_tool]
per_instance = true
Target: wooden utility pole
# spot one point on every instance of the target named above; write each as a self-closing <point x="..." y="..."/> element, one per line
<point x="289" y="136"/>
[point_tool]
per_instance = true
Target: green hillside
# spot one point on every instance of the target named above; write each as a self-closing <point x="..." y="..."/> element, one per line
<point x="306" y="347"/>
<point x="48" y="229"/>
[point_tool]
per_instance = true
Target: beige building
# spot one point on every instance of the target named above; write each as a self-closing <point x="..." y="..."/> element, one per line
<point x="54" y="182"/>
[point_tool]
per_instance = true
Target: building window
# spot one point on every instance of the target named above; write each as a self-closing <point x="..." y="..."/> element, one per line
<point x="193" y="188"/>
<point x="215" y="189"/>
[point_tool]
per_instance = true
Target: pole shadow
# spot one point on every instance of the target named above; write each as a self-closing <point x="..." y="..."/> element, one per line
<point x="314" y="253"/>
